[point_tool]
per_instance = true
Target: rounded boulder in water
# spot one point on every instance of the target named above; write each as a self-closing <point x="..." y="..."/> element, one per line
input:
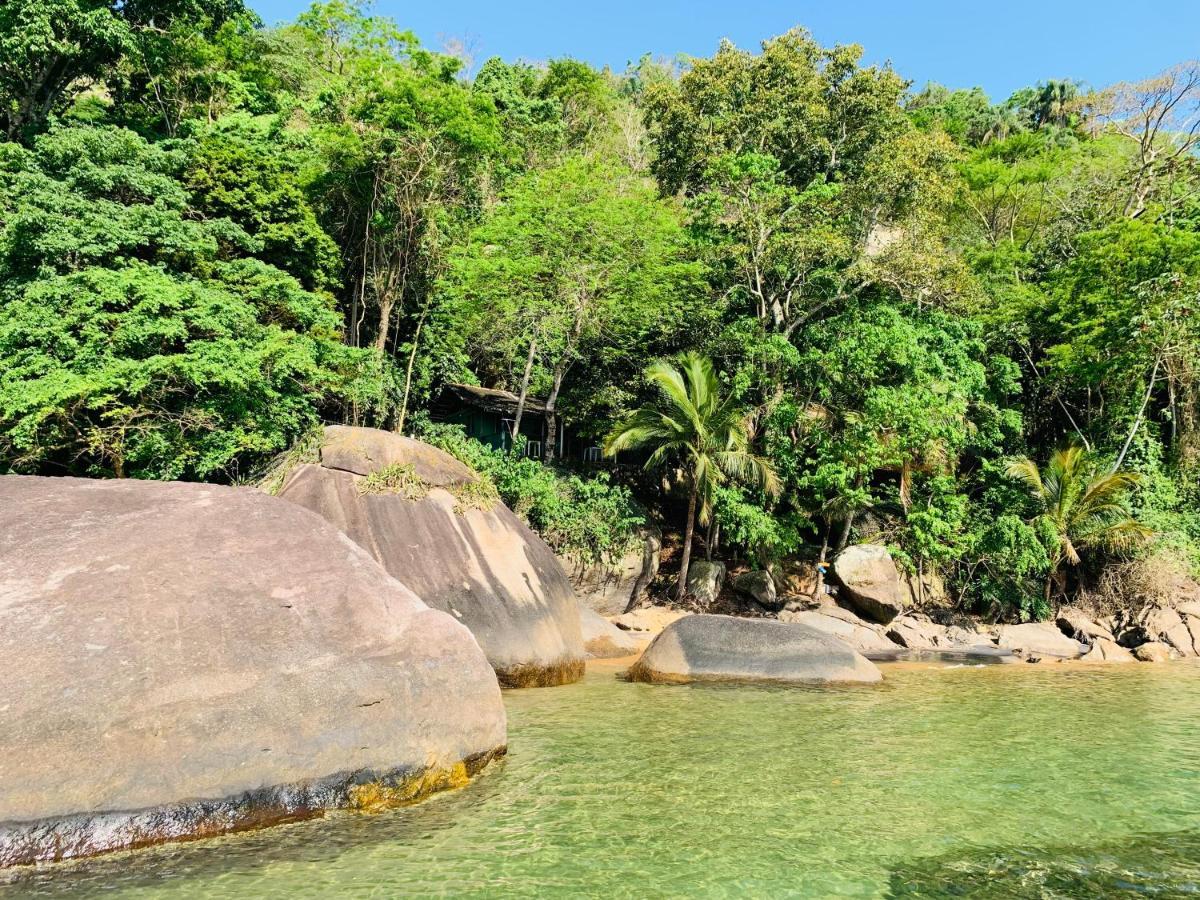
<point x="182" y="660"/>
<point x="726" y="648"/>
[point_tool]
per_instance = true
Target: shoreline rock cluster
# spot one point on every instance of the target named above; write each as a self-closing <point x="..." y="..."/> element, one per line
<point x="870" y="607"/>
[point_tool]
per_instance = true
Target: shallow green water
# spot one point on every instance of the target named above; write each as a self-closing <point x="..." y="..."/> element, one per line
<point x="1006" y="781"/>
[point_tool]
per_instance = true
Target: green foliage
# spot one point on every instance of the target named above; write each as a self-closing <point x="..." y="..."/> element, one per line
<point x="584" y="263"/>
<point x="138" y="339"/>
<point x="215" y="235"/>
<point x="701" y="428"/>
<point x="1078" y="507"/>
<point x="590" y="521"/>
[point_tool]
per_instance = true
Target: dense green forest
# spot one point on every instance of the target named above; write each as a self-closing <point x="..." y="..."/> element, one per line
<point x="215" y="235"/>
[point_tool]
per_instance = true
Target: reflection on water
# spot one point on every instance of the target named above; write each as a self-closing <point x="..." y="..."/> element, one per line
<point x="997" y="781"/>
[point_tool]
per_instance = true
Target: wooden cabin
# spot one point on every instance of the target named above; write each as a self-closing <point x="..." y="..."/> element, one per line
<point x="488" y="414"/>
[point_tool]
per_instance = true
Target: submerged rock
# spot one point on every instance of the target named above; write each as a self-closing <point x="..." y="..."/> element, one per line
<point x="604" y="640"/>
<point x="759" y="587"/>
<point x="724" y="648"/>
<point x="420" y="513"/>
<point x="183" y="660"/>
<point x="705" y="580"/>
<point x="870" y="583"/>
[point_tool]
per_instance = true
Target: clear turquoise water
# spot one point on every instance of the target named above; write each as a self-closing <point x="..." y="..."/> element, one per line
<point x="1010" y="781"/>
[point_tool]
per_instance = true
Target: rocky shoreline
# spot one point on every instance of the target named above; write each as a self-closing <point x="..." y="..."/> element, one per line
<point x="184" y="660"/>
<point x="869" y="606"/>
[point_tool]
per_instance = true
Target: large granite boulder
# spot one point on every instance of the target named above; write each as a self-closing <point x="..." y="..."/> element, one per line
<point x="870" y="583"/>
<point x="1106" y="650"/>
<point x="422" y="515"/>
<point x="705" y="579"/>
<point x="1039" y="640"/>
<point x="759" y="587"/>
<point x="182" y="660"/>
<point x="864" y="637"/>
<point x="604" y="640"/>
<point x="916" y="631"/>
<point x="612" y="589"/>
<point x="725" y="648"/>
<point x="1152" y="651"/>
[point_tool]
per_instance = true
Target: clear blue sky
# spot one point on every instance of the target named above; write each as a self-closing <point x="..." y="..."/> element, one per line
<point x="999" y="45"/>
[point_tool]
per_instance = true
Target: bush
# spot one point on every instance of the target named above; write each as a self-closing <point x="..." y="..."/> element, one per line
<point x="590" y="521"/>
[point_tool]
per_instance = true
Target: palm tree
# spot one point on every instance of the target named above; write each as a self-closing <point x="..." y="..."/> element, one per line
<point x="692" y="423"/>
<point x="1054" y="103"/>
<point x="1080" y="505"/>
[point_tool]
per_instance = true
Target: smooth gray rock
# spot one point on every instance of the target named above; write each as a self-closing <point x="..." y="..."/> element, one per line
<point x="483" y="566"/>
<point x="917" y="632"/>
<point x="1106" y="650"/>
<point x="604" y="640"/>
<point x="1075" y="623"/>
<point x="705" y="580"/>
<point x="870" y="583"/>
<point x="1158" y="624"/>
<point x="724" y="648"/>
<point x="1152" y="651"/>
<point x="759" y="587"/>
<point x="182" y="660"/>
<point x="1039" y="639"/>
<point x="862" y="636"/>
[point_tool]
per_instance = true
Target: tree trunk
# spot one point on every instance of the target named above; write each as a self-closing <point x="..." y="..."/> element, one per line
<point x="516" y="429"/>
<point x="550" y="449"/>
<point x="821" y="563"/>
<point x="708" y="538"/>
<point x="385" y="324"/>
<point x="1137" y="422"/>
<point x="844" y="537"/>
<point x="412" y="357"/>
<point x="643" y="580"/>
<point x="689" y="532"/>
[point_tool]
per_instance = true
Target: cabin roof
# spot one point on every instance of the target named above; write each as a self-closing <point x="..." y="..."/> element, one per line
<point x="493" y="400"/>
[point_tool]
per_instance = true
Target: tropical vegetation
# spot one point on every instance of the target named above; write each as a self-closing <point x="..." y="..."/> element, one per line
<point x="215" y="235"/>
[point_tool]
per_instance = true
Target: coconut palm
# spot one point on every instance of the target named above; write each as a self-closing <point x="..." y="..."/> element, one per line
<point x="693" y="424"/>
<point x="1080" y="506"/>
<point x="1055" y="102"/>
